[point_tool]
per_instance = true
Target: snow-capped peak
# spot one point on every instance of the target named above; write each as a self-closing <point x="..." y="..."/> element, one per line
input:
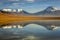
<point x="12" y="10"/>
<point x="51" y="8"/>
<point x="19" y="10"/>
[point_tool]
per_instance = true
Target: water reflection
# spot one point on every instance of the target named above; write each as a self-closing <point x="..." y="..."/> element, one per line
<point x="30" y="38"/>
<point x="12" y="26"/>
<point x="30" y="32"/>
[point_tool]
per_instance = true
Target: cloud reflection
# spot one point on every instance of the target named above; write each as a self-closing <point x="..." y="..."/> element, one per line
<point x="30" y="38"/>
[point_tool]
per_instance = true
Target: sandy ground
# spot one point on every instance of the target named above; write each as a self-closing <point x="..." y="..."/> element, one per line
<point x="10" y="18"/>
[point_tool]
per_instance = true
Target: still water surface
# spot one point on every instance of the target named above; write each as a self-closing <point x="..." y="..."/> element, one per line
<point x="30" y="32"/>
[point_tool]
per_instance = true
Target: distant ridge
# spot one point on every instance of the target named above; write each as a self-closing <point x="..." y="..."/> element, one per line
<point x="48" y="11"/>
<point x="11" y="12"/>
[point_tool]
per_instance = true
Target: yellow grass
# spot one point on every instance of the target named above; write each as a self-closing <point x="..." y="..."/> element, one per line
<point x="10" y="18"/>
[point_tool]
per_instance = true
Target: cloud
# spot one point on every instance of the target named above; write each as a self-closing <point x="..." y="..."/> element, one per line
<point x="22" y="0"/>
<point x="13" y="0"/>
<point x="15" y="3"/>
<point x="30" y="0"/>
<point x="18" y="4"/>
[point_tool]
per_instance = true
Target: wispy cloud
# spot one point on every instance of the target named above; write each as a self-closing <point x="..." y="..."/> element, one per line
<point x="30" y="0"/>
<point x="13" y="0"/>
<point x="15" y="3"/>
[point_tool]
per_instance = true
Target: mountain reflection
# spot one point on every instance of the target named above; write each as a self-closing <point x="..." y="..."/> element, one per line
<point x="30" y="32"/>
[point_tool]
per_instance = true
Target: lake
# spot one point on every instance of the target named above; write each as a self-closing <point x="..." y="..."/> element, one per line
<point x="30" y="32"/>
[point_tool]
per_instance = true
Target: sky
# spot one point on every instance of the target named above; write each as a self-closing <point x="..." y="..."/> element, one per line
<point x="31" y="6"/>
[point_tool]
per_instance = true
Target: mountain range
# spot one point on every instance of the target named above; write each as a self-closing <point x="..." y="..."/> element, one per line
<point x="48" y="11"/>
